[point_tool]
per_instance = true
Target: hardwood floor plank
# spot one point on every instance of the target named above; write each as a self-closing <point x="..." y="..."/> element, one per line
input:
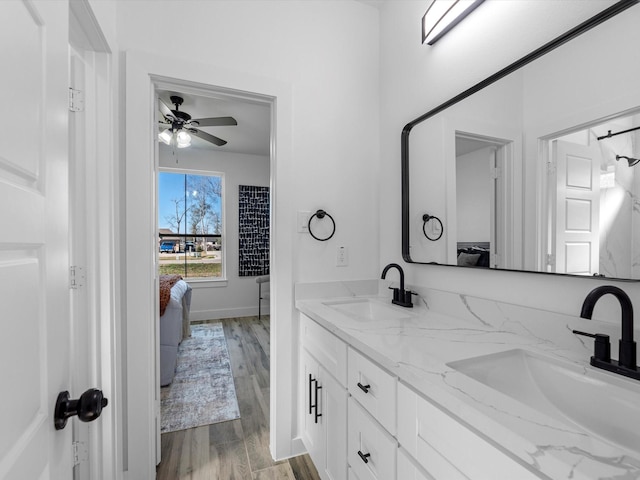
<point x="278" y="472"/>
<point x="229" y="461"/>
<point x="233" y="335"/>
<point x="266" y="322"/>
<point x="200" y="454"/>
<point x="256" y="358"/>
<point x="254" y="424"/>
<point x="185" y="467"/>
<point x="261" y="400"/>
<point x="303" y="468"/>
<point x="171" y="449"/>
<point x="225" y="432"/>
<point x="262" y="334"/>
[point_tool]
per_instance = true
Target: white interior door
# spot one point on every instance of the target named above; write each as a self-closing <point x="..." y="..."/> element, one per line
<point x="34" y="268"/>
<point x="577" y="208"/>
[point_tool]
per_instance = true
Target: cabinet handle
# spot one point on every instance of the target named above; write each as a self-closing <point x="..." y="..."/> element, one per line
<point x="318" y="415"/>
<point x="364" y="388"/>
<point x="364" y="456"/>
<point x="310" y="390"/>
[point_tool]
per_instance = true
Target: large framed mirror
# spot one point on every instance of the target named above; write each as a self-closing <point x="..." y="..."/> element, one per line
<point x="534" y="168"/>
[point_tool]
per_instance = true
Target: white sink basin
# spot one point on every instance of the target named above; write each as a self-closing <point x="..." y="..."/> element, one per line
<point x="364" y="308"/>
<point x="600" y="403"/>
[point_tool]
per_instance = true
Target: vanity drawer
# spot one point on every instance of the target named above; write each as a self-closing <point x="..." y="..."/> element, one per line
<point x="372" y="451"/>
<point x="446" y="448"/>
<point x="329" y="350"/>
<point x="374" y="388"/>
<point x="409" y="470"/>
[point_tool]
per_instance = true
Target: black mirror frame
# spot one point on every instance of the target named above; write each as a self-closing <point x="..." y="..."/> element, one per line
<point x="587" y="25"/>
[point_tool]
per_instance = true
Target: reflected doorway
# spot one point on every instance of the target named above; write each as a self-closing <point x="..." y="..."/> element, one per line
<point x="482" y="164"/>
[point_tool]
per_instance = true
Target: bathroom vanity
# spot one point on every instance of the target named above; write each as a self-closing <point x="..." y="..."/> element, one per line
<point x="485" y="391"/>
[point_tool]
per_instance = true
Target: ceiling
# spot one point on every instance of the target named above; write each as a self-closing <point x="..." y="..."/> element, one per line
<point x="250" y="136"/>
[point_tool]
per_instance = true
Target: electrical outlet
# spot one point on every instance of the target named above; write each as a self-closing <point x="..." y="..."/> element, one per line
<point x="342" y="257"/>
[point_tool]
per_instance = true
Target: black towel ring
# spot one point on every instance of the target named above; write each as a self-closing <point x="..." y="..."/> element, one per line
<point x="321" y="214"/>
<point x="427" y="218"/>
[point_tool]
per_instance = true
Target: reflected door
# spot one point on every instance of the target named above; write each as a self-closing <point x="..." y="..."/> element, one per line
<point x="576" y="206"/>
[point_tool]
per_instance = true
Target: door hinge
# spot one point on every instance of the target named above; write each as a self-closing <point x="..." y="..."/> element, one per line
<point x="496" y="173"/>
<point x="76" y="100"/>
<point x="80" y="453"/>
<point x="551" y="168"/>
<point x="551" y="259"/>
<point x="76" y="277"/>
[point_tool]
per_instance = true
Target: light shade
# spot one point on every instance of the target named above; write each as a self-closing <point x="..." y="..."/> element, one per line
<point x="166" y="136"/>
<point x="183" y="139"/>
<point x="443" y="15"/>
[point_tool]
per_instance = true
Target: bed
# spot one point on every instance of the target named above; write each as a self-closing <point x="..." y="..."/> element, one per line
<point x="175" y="303"/>
<point x="473" y="254"/>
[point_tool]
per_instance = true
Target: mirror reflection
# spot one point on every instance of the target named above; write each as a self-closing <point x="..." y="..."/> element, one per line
<point x="537" y="171"/>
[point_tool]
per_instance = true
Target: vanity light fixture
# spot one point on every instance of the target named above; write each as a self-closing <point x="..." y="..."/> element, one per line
<point x="443" y="15"/>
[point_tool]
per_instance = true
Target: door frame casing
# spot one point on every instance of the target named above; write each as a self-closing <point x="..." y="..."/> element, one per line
<point x="96" y="225"/>
<point x="143" y="70"/>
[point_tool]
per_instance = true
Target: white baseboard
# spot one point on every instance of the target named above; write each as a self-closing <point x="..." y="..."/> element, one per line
<point x="195" y="316"/>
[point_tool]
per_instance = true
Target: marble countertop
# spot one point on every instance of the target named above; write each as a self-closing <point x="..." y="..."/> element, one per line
<point x="417" y="348"/>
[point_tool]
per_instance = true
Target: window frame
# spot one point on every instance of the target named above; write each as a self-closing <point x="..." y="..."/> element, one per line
<point x="211" y="281"/>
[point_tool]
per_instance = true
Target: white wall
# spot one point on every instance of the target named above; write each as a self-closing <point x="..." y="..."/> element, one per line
<point x="416" y="78"/>
<point x="328" y="52"/>
<point x="319" y="60"/>
<point x="237" y="296"/>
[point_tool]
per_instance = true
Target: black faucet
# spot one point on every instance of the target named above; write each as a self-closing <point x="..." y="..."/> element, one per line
<point x="626" y="364"/>
<point x="400" y="295"/>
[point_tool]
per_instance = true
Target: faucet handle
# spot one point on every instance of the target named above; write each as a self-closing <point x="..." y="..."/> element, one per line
<point x="602" y="345"/>
<point x="396" y="293"/>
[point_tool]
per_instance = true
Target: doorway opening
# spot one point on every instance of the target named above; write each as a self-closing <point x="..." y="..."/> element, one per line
<point x="203" y="183"/>
<point x="482" y="172"/>
<point x="591" y="181"/>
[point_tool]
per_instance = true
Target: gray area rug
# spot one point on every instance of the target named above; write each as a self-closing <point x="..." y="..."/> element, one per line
<point x="202" y="391"/>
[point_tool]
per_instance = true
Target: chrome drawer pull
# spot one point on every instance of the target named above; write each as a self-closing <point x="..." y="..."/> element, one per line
<point x="364" y="456"/>
<point x="364" y="388"/>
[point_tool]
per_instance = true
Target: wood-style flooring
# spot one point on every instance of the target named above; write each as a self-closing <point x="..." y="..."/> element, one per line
<point x="239" y="449"/>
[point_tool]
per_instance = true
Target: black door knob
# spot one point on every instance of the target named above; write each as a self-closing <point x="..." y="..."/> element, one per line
<point x="88" y="407"/>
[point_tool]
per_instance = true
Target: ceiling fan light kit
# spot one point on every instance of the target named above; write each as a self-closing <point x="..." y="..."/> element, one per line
<point x="183" y="139"/>
<point x="180" y="125"/>
<point x="166" y="136"/>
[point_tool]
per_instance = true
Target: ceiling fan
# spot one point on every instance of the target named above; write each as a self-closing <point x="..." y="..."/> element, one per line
<point x="179" y="124"/>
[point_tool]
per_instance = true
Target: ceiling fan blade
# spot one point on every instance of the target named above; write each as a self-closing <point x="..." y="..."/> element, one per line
<point x="208" y="137"/>
<point x="215" y="121"/>
<point x="165" y="111"/>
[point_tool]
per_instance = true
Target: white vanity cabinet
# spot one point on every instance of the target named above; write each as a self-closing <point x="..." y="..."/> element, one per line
<point x="359" y="422"/>
<point x="324" y="399"/>
<point x="445" y="448"/>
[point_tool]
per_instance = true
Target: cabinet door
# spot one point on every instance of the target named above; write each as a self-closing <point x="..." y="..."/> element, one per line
<point x="329" y="350"/>
<point x="408" y="470"/>
<point x="311" y="426"/>
<point x="333" y="408"/>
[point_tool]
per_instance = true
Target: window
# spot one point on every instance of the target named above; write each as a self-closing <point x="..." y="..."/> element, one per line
<point x="190" y="225"/>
